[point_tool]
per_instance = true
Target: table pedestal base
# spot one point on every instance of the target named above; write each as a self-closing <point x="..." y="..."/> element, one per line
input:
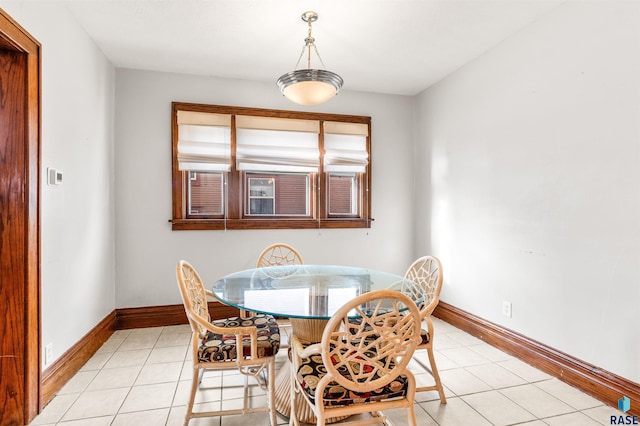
<point x="307" y="330"/>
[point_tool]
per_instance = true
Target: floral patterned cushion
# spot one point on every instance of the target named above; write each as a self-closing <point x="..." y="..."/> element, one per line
<point x="216" y="347"/>
<point x="312" y="370"/>
<point x="424" y="334"/>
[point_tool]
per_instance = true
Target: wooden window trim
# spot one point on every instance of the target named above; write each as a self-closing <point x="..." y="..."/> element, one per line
<point x="235" y="181"/>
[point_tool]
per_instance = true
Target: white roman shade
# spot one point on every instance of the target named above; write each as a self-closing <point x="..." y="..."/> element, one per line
<point x="277" y="144"/>
<point x="345" y="146"/>
<point x="204" y="141"/>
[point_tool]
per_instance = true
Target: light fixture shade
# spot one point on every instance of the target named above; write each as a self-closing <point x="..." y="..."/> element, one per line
<point x="310" y="86"/>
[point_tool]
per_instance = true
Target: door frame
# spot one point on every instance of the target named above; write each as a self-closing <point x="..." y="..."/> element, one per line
<point x="15" y="38"/>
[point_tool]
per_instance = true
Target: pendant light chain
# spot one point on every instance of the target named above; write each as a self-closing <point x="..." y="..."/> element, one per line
<point x="319" y="57"/>
<point x="309" y="41"/>
<point x="300" y="57"/>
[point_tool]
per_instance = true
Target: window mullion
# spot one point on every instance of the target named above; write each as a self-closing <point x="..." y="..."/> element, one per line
<point x="234" y="189"/>
<point x="322" y="204"/>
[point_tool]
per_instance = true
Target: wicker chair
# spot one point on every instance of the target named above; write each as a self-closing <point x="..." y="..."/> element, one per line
<point x="360" y="364"/>
<point x="248" y="345"/>
<point x="279" y="254"/>
<point x="276" y="255"/>
<point x="427" y="272"/>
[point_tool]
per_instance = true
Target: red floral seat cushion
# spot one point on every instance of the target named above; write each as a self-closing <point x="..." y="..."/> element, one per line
<point x="312" y="370"/>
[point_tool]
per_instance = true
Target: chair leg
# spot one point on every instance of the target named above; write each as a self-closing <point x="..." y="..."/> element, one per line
<point x="433" y="370"/>
<point x="245" y="394"/>
<point x="411" y="415"/>
<point x="436" y="375"/>
<point x="293" y="414"/>
<point x="271" y="386"/>
<point x="195" y="382"/>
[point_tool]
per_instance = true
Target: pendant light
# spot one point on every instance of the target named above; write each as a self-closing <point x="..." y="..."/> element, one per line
<point x="308" y="86"/>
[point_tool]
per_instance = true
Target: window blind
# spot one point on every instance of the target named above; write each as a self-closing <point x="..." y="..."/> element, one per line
<point x="277" y="145"/>
<point x="345" y="146"/>
<point x="204" y="141"/>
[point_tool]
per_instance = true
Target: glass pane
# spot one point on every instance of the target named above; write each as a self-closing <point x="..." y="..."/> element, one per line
<point x="343" y="194"/>
<point x="292" y="195"/>
<point x="205" y="194"/>
<point x="261" y="206"/>
<point x="261" y="187"/>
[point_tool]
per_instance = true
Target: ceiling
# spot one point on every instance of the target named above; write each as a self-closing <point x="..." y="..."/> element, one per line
<point x="385" y="46"/>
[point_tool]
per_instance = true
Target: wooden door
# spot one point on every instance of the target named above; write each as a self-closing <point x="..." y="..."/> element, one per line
<point x="19" y="224"/>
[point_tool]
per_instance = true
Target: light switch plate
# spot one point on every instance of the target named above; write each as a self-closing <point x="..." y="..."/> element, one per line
<point x="54" y="176"/>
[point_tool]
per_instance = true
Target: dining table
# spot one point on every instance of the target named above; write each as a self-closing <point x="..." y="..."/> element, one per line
<point x="308" y="295"/>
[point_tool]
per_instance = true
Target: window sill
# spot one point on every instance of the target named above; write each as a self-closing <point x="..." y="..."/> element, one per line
<point x="229" y="224"/>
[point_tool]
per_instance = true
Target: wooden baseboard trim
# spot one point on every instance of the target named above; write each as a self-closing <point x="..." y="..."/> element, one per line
<point x="601" y="384"/>
<point x="162" y="316"/>
<point x="152" y="316"/>
<point x="64" y="368"/>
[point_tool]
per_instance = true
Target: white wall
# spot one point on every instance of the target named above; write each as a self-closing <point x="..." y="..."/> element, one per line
<point x="534" y="182"/>
<point x="77" y="218"/>
<point x="147" y="249"/>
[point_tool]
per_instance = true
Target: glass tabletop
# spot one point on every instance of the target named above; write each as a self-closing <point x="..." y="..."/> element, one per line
<point x="306" y="291"/>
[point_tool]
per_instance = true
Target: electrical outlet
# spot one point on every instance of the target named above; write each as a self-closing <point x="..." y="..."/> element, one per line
<point x="48" y="354"/>
<point x="506" y="308"/>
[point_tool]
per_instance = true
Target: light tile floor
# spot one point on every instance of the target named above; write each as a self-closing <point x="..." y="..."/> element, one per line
<point x="143" y="376"/>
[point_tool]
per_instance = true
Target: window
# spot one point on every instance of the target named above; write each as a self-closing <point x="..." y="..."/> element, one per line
<point x="205" y="194"/>
<point x="343" y="194"/>
<point x="261" y="193"/>
<point x="248" y="168"/>
<point x="277" y="194"/>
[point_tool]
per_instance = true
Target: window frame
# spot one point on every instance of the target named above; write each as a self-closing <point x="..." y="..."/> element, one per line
<point x="234" y="192"/>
